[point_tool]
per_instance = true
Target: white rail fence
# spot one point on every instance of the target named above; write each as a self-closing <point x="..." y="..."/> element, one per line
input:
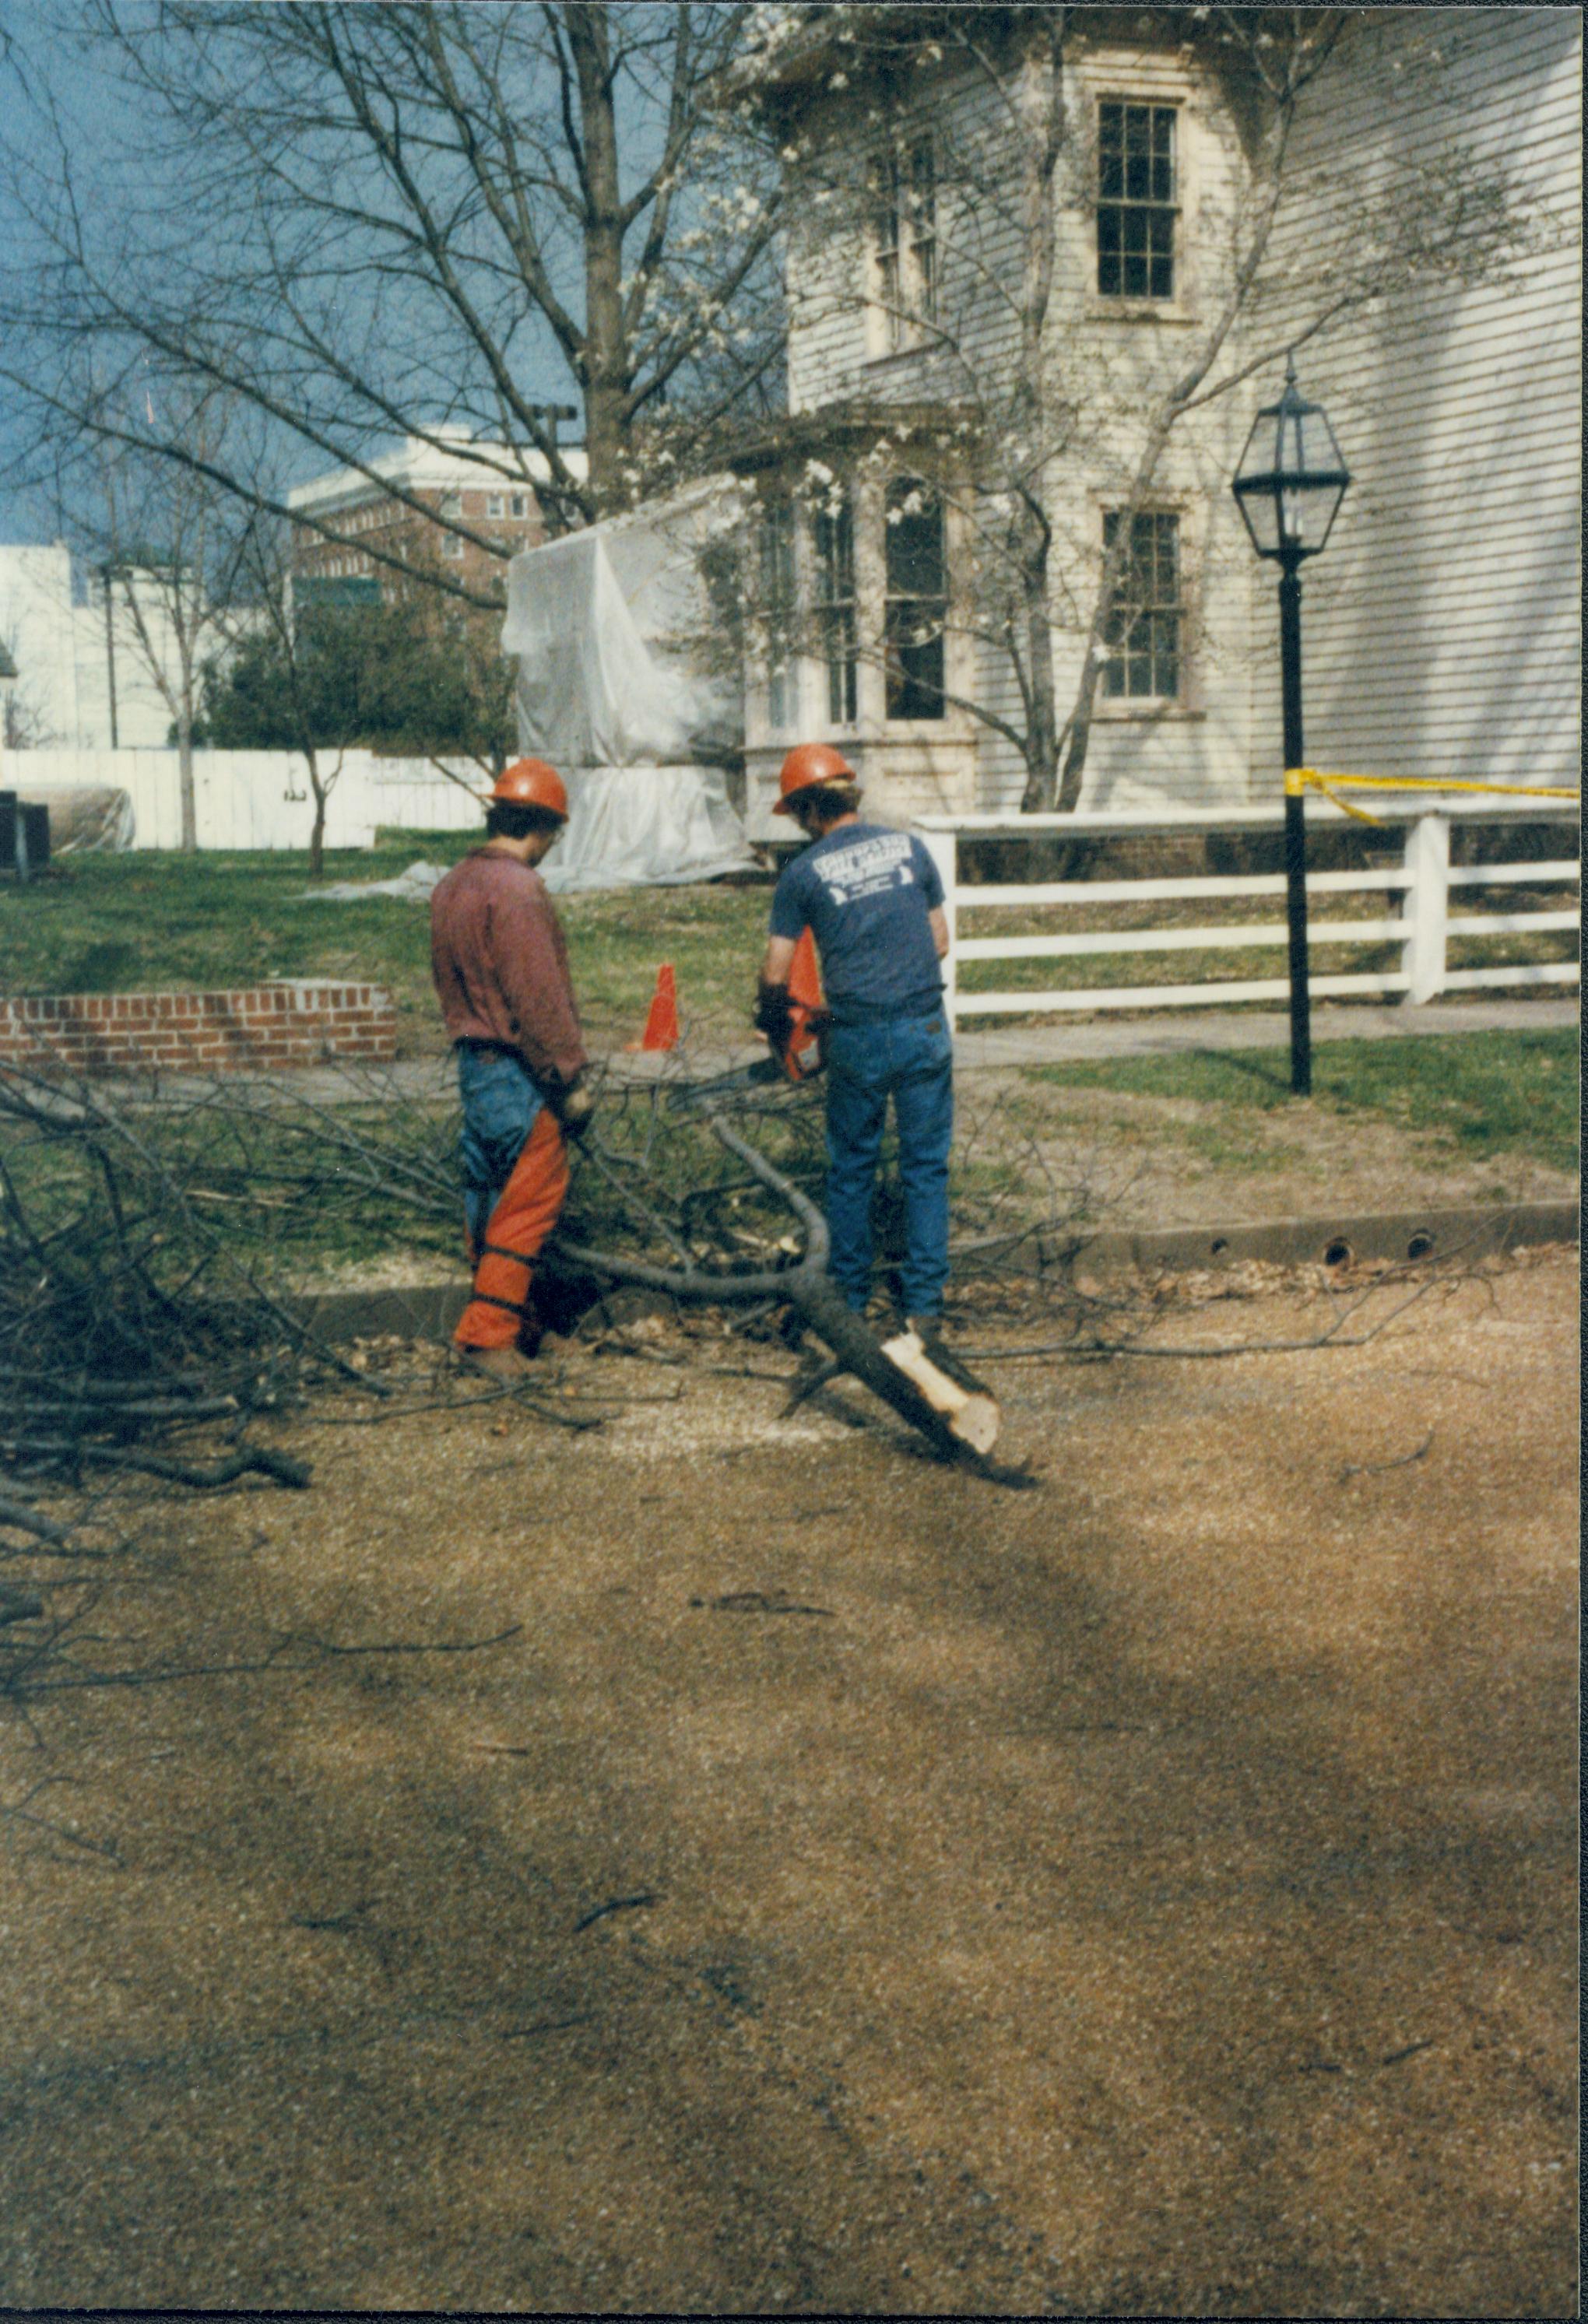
<point x="258" y="798"/>
<point x="1423" y="924"/>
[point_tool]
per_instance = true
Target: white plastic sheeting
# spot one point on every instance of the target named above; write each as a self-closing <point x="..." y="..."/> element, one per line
<point x="627" y="826"/>
<point x="414" y="886"/>
<point x="92" y="821"/>
<point x="616" y="639"/>
<point x="646" y="828"/>
<point x="624" y="684"/>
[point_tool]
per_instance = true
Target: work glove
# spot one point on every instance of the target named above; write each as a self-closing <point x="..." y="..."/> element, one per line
<point x="574" y="1104"/>
<point x="774" y="1017"/>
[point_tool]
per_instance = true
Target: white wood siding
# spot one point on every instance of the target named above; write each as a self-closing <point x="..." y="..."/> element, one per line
<point x="1441" y="629"/>
<point x="1441" y="633"/>
<point x="1105" y="367"/>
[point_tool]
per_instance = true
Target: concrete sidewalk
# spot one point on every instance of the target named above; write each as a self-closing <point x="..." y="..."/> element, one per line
<point x="431" y="1079"/>
<point x="1173" y="1032"/>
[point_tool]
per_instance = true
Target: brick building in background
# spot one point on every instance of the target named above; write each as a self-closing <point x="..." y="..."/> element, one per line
<point x="490" y="488"/>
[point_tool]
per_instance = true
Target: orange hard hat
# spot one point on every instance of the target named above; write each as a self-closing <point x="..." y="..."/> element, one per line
<point x="808" y="767"/>
<point x="530" y="782"/>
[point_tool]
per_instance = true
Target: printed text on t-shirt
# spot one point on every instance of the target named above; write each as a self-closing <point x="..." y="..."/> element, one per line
<point x="868" y="869"/>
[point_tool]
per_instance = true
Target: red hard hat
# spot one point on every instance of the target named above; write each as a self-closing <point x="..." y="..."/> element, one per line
<point x="530" y="782"/>
<point x="807" y="766"/>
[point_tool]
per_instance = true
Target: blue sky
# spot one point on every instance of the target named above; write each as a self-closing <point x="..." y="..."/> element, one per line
<point x="53" y="87"/>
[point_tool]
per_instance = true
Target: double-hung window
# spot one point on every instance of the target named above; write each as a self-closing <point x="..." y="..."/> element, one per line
<point x="1142" y="634"/>
<point x="904" y="242"/>
<point x="832" y="540"/>
<point x="916" y="606"/>
<point x="1137" y="199"/>
<point x="778" y="596"/>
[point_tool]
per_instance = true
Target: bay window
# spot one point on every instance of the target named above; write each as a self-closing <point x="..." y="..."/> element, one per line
<point x="917" y="602"/>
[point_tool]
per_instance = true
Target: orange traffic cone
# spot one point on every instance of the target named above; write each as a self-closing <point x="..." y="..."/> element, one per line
<point x="805" y="984"/>
<point x="661" y="1026"/>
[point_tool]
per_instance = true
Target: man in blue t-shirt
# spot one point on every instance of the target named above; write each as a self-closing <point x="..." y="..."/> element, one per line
<point x="872" y="900"/>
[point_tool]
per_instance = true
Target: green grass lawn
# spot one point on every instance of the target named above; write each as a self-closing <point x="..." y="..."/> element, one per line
<point x="1474" y="1094"/>
<point x="143" y="921"/>
<point x="147" y="921"/>
<point x="166" y="921"/>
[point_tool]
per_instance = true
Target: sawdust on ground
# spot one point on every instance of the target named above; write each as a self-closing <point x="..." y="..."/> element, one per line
<point x="848" y="1886"/>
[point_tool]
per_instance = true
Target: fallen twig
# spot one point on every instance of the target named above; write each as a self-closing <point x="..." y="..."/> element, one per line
<point x="408" y="1646"/>
<point x="1379" y="1468"/>
<point x="614" y="1904"/>
<point x="26" y="1520"/>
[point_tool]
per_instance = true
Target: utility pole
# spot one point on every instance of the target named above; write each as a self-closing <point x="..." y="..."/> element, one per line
<point x="105" y="575"/>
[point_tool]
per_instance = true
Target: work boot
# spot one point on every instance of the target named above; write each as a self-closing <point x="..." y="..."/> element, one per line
<point x="505" y="1364"/>
<point x="929" y="1330"/>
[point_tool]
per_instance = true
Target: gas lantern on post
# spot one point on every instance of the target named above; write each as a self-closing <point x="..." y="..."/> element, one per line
<point x="1288" y="487"/>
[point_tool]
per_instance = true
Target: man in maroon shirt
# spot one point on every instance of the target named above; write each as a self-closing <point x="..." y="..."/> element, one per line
<point x="501" y="968"/>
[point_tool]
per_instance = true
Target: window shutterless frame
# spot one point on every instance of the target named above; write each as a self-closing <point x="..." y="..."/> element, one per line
<point x="1142" y="634"/>
<point x="779" y="598"/>
<point x="917" y="568"/>
<point x="1138" y="198"/>
<point x="837" y="634"/>
<point x="904" y="241"/>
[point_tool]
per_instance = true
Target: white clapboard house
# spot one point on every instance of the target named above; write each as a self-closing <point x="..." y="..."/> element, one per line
<point x="1441" y="625"/>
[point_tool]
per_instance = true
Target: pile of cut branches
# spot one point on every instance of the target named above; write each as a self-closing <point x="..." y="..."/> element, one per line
<point x="156" y="1246"/>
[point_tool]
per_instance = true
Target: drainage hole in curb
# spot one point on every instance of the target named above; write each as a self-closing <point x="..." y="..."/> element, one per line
<point x="1420" y="1245"/>
<point x="1337" y="1253"/>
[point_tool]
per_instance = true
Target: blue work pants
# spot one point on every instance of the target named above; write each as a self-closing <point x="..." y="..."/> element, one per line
<point x="912" y="1061"/>
<point x="500" y="1105"/>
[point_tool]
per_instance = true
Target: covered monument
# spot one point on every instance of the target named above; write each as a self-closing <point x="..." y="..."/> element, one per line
<point x="628" y="684"/>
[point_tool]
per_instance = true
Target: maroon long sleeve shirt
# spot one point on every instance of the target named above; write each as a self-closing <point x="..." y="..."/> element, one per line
<point x="499" y="962"/>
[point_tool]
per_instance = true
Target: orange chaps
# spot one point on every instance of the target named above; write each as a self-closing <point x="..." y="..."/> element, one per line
<point x="526" y="1212"/>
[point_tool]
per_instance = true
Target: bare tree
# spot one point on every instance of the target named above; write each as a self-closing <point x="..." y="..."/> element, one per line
<point x="265" y="606"/>
<point x="418" y="218"/>
<point x="166" y="549"/>
<point x="1030" y="396"/>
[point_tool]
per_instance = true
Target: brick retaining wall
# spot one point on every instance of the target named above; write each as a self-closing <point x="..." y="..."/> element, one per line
<point x="298" y="1021"/>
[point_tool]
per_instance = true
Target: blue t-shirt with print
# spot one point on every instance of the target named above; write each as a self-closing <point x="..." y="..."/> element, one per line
<point x="864" y="892"/>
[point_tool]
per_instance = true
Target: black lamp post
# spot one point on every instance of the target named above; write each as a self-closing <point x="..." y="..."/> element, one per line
<point x="1288" y="486"/>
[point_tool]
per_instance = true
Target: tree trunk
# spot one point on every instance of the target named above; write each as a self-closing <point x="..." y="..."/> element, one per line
<point x="1042" y="718"/>
<point x="185" y="771"/>
<point x="1041" y="103"/>
<point x="605" y="365"/>
<point x="814" y="1298"/>
<point x="1067" y="794"/>
<point x="317" y="837"/>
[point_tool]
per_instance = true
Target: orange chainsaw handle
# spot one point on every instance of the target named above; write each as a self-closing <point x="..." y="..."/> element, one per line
<point x="807" y="1016"/>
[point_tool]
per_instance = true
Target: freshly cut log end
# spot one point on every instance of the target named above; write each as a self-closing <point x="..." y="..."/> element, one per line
<point x="970" y="1415"/>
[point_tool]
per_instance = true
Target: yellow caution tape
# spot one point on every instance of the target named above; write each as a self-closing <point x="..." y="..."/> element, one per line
<point x="1299" y="781"/>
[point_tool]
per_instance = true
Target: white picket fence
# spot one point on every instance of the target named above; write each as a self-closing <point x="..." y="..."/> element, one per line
<point x="1423" y="925"/>
<point x="258" y="798"/>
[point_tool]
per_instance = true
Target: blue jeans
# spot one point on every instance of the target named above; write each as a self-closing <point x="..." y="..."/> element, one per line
<point x="911" y="1061"/>
<point x="500" y="1102"/>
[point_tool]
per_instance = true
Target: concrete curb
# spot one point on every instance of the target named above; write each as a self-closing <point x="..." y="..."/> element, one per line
<point x="429" y="1311"/>
<point x="1336" y="1239"/>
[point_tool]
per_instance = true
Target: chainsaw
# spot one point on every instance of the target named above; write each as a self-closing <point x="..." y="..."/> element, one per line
<point x="796" y="1051"/>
